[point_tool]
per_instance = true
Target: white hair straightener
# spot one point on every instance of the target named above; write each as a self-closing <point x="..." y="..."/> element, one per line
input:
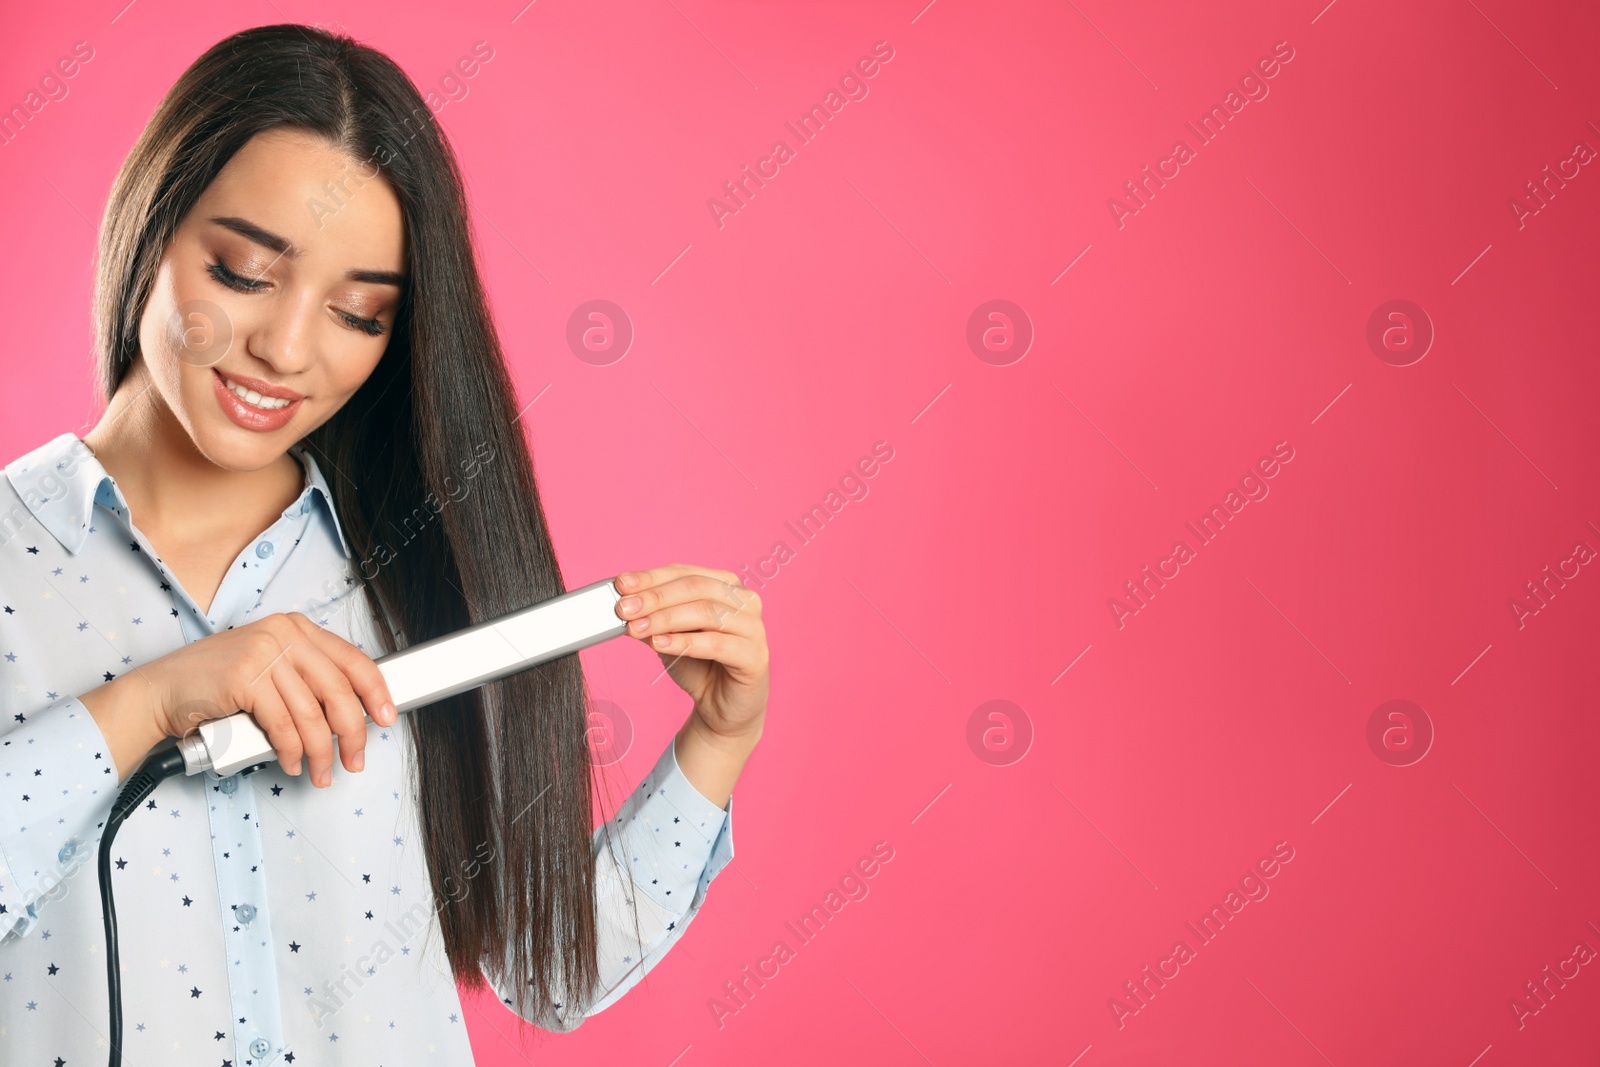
<point x="432" y="670"/>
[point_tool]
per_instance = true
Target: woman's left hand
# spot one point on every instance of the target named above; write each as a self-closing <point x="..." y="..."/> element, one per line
<point x="706" y="627"/>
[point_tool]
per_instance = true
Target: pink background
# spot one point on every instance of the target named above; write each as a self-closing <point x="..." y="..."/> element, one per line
<point x="1229" y="314"/>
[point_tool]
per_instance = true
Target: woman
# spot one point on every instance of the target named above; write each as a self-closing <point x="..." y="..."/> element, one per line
<point x="310" y="457"/>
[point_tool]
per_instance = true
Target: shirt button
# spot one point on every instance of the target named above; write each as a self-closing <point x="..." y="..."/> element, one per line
<point x="264" y="549"/>
<point x="244" y="913"/>
<point x="229" y="784"/>
<point x="259" y="1047"/>
<point x="68" y="850"/>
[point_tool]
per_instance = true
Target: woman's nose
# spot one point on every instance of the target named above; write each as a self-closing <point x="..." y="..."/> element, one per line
<point x="284" y="336"/>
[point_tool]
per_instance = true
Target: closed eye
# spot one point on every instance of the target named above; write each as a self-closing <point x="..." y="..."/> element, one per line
<point x="232" y="280"/>
<point x="371" y="327"/>
<point x="368" y="326"/>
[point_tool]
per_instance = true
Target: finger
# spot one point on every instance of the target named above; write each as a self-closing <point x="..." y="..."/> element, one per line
<point x="685" y="589"/>
<point x="696" y="615"/>
<point x="304" y="708"/>
<point x="737" y="654"/>
<point x="260" y="697"/>
<point x="746" y="602"/>
<point x="638" y="581"/>
<point x="272" y="715"/>
<point x="358" y="668"/>
<point x="341" y="708"/>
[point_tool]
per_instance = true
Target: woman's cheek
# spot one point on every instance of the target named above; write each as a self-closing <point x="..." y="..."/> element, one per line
<point x="352" y="372"/>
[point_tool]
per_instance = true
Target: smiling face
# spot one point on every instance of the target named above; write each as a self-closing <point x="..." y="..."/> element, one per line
<point x="281" y="284"/>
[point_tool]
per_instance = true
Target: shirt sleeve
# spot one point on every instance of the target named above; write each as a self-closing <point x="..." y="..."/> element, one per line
<point x="57" y="786"/>
<point x="676" y="841"/>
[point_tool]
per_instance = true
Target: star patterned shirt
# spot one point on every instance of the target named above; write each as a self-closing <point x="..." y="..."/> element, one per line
<point x="260" y="920"/>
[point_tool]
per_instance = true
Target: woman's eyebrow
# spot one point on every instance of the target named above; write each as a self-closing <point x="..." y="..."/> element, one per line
<point x="284" y="247"/>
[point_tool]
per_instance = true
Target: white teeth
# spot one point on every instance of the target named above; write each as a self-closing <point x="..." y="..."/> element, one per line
<point x="253" y="398"/>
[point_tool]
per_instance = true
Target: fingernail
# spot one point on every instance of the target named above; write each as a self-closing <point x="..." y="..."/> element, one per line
<point x="629" y="604"/>
<point x="358" y="761"/>
<point x="326" y="777"/>
<point x="628" y="579"/>
<point x="294" y="768"/>
<point x="386" y="713"/>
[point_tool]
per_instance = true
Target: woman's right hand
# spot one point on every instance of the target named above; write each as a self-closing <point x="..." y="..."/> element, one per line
<point x="301" y="683"/>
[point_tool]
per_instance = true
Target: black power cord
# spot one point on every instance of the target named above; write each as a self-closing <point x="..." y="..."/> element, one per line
<point x="141" y="783"/>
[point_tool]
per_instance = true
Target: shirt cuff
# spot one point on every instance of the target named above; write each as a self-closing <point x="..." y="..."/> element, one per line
<point x="674" y="838"/>
<point x="57" y="786"/>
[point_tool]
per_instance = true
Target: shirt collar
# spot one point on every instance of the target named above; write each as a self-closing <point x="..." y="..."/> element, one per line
<point x="61" y="480"/>
<point x="316" y="485"/>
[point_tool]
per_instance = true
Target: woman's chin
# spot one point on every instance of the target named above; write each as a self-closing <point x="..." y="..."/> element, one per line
<point x="237" y="449"/>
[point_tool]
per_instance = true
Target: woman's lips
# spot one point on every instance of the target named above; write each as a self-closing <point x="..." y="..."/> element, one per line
<point x="278" y="392"/>
<point x="247" y="415"/>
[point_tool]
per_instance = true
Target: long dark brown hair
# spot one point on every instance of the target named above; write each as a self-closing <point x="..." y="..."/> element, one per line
<point x="439" y="397"/>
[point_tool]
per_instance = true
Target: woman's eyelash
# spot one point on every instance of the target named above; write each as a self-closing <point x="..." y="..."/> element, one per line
<point x="372" y="327"/>
<point x="222" y="274"/>
<point x="368" y="326"/>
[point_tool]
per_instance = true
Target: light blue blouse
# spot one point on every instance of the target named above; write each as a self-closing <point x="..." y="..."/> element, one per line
<point x="260" y="919"/>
